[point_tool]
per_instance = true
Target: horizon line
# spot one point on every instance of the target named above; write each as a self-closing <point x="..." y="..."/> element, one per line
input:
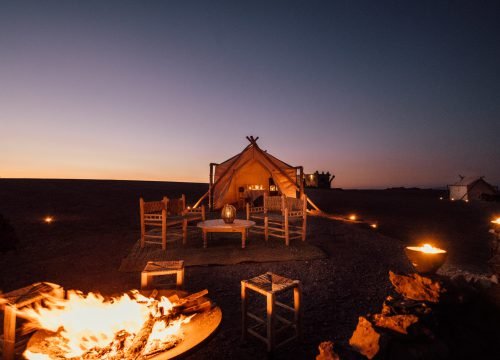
<point x="434" y="187"/>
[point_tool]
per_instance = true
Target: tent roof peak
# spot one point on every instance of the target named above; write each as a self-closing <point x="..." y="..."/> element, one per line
<point x="253" y="140"/>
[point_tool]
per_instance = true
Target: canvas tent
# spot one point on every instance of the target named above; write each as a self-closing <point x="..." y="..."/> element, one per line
<point x="252" y="169"/>
<point x="470" y="188"/>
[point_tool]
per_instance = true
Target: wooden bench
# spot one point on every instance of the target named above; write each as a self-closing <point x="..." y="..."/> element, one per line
<point x="15" y="300"/>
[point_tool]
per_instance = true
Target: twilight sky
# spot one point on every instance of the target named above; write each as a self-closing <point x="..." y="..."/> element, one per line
<point x="397" y="93"/>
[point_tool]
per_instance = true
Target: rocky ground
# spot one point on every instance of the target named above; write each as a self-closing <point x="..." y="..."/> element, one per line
<point x="96" y="223"/>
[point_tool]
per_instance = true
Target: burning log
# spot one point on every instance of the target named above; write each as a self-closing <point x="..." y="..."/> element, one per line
<point x="140" y="340"/>
<point x="365" y="339"/>
<point x="326" y="351"/>
<point x="156" y="326"/>
<point x="416" y="287"/>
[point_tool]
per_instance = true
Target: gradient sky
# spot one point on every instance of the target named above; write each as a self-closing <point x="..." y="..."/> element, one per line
<point x="400" y="93"/>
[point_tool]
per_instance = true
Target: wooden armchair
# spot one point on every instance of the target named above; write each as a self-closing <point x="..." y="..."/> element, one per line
<point x="164" y="214"/>
<point x="281" y="216"/>
<point x="189" y="215"/>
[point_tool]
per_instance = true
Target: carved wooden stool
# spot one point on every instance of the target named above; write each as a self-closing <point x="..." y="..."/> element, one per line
<point x="15" y="300"/>
<point x="159" y="268"/>
<point x="271" y="285"/>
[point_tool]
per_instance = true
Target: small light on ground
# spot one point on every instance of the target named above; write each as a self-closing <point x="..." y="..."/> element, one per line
<point x="440" y="198"/>
<point x="374" y="226"/>
<point x="48" y="219"/>
<point x="452" y="199"/>
<point x="353" y="217"/>
<point x="466" y="200"/>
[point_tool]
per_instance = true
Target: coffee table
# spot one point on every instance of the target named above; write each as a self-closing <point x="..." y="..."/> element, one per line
<point x="218" y="225"/>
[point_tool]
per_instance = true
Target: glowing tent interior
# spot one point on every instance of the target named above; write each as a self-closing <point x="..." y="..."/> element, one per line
<point x="248" y="174"/>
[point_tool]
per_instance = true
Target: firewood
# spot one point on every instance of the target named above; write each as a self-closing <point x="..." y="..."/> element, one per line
<point x="140" y="339"/>
<point x="154" y="294"/>
<point x="203" y="306"/>
<point x="192" y="297"/>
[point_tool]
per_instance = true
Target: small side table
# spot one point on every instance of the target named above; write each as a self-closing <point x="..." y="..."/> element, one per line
<point x="159" y="268"/>
<point x="270" y="285"/>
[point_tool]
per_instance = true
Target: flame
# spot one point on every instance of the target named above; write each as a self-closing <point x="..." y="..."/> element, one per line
<point x="353" y="217"/>
<point x="163" y="333"/>
<point x="87" y="322"/>
<point x="496" y="221"/>
<point x="427" y="248"/>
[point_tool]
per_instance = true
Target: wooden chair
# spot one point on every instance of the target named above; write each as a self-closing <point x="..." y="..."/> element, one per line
<point x="164" y="214"/>
<point x="189" y="215"/>
<point x="281" y="216"/>
<point x="11" y="303"/>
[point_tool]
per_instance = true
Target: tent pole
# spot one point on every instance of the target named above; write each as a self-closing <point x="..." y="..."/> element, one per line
<point x="210" y="187"/>
<point x="301" y="177"/>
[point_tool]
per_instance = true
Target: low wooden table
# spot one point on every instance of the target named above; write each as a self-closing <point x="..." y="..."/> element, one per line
<point x="218" y="225"/>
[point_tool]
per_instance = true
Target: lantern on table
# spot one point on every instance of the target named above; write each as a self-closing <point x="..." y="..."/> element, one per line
<point x="228" y="213"/>
<point x="426" y="259"/>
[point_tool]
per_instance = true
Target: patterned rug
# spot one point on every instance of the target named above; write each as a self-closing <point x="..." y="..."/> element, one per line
<point x="223" y="249"/>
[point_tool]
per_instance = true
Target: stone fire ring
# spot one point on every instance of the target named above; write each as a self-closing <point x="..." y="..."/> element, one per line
<point x="199" y="330"/>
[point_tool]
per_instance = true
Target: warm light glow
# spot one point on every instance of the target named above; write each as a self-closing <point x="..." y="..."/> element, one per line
<point x="90" y="321"/>
<point x="374" y="226"/>
<point x="496" y="221"/>
<point x="440" y="198"/>
<point x="452" y="199"/>
<point x="352" y="217"/>
<point x="427" y="248"/>
<point x="48" y="219"/>
<point x="255" y="187"/>
<point x="466" y="200"/>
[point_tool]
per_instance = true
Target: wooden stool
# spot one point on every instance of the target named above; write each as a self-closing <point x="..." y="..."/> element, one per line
<point x="159" y="268"/>
<point x="11" y="302"/>
<point x="270" y="285"/>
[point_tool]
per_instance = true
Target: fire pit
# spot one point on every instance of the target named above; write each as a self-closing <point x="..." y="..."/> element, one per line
<point x="426" y="259"/>
<point x="151" y="325"/>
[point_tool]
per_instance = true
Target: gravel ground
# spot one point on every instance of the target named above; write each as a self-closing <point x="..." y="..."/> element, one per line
<point x="97" y="224"/>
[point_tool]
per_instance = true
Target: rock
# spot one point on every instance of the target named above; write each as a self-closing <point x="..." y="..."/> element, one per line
<point x="398" y="323"/>
<point x="326" y="351"/>
<point x="416" y="287"/>
<point x="365" y="339"/>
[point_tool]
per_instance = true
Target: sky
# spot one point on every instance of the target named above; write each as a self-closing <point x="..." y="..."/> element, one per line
<point x="379" y="93"/>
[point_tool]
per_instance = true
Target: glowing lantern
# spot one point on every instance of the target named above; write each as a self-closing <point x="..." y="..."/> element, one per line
<point x="228" y="213"/>
<point x="352" y="217"/>
<point x="426" y="259"/>
<point x="48" y="219"/>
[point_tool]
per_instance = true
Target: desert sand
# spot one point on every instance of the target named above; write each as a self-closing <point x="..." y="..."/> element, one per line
<point x="97" y="223"/>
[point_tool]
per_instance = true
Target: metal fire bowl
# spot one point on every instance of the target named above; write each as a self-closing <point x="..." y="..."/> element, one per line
<point x="199" y="330"/>
<point x="425" y="263"/>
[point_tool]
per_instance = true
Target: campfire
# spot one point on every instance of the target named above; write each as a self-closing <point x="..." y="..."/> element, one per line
<point x="132" y="326"/>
